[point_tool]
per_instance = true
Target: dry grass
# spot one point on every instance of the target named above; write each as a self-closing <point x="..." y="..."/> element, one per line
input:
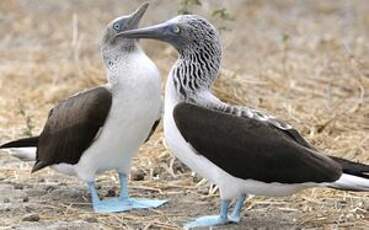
<point x="306" y="62"/>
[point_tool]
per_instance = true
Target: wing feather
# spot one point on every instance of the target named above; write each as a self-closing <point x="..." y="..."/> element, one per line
<point x="249" y="148"/>
<point x="72" y="126"/>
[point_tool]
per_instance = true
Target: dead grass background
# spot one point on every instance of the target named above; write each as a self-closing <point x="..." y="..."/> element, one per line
<point x="304" y="61"/>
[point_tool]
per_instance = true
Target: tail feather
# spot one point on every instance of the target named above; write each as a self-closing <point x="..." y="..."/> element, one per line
<point x="351" y="183"/>
<point x="353" y="168"/>
<point x="23" y="149"/>
<point x="24" y="142"/>
<point x="355" y="176"/>
<point x="24" y="154"/>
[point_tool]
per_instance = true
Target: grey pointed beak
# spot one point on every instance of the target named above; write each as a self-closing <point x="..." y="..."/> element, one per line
<point x="135" y="17"/>
<point x="162" y="32"/>
<point x="158" y="32"/>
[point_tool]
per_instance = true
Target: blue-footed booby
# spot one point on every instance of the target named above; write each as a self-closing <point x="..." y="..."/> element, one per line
<point x="240" y="149"/>
<point x="102" y="128"/>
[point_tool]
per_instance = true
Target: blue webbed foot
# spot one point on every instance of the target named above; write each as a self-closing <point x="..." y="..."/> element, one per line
<point x="146" y="203"/>
<point x="110" y="205"/>
<point x="135" y="203"/>
<point x="207" y="221"/>
<point x="122" y="205"/>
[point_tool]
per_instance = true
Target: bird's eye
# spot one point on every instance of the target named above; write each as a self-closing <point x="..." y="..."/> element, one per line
<point x="176" y="29"/>
<point x="116" y="26"/>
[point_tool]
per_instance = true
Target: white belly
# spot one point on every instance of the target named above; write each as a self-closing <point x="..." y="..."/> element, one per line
<point x="230" y="187"/>
<point x="135" y="108"/>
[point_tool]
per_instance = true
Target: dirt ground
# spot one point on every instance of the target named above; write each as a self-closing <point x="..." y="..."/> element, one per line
<point x="304" y="61"/>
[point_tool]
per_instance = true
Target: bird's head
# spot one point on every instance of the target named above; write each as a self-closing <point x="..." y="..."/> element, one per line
<point x="198" y="45"/>
<point x="112" y="35"/>
<point x="184" y="32"/>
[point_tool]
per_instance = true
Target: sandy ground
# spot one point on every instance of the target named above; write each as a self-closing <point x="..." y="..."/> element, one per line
<point x="304" y="61"/>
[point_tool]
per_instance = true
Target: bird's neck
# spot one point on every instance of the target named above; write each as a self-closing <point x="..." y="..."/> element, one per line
<point x="194" y="72"/>
<point x="114" y="54"/>
<point x="120" y="66"/>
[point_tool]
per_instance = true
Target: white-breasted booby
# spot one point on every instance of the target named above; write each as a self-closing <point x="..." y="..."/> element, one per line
<point x="102" y="128"/>
<point x="240" y="149"/>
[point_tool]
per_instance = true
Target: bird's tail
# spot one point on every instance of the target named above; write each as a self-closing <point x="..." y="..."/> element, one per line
<point x="23" y="149"/>
<point x="355" y="176"/>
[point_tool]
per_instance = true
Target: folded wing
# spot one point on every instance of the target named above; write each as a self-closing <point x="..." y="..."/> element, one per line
<point x="71" y="127"/>
<point x="250" y="148"/>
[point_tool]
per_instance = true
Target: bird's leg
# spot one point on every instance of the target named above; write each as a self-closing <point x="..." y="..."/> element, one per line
<point x="123" y="202"/>
<point x="236" y="214"/>
<point x="123" y="181"/>
<point x="102" y="206"/>
<point x="208" y="221"/>
<point x="134" y="203"/>
<point x="94" y="196"/>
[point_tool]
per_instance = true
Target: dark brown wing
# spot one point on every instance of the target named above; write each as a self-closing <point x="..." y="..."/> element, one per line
<point x="153" y="128"/>
<point x="276" y="123"/>
<point x="248" y="148"/>
<point x="71" y="127"/>
<point x="156" y="124"/>
<point x="290" y="131"/>
<point x="348" y="167"/>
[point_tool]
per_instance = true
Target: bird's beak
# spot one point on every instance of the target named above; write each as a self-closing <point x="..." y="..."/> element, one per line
<point x="158" y="32"/>
<point x="134" y="18"/>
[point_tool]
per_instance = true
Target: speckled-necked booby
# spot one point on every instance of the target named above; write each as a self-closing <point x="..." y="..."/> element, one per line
<point x="102" y="128"/>
<point x="240" y="149"/>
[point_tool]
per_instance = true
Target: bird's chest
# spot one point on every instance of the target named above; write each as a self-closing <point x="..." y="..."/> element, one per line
<point x="183" y="150"/>
<point x="134" y="109"/>
<point x="176" y="142"/>
<point x="130" y="116"/>
<point x="135" y="106"/>
<point x="136" y="94"/>
<point x="173" y="137"/>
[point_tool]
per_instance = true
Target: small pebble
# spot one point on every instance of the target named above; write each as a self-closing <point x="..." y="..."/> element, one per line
<point x="91" y="220"/>
<point x="196" y="178"/>
<point x="156" y="171"/>
<point x="111" y="192"/>
<point x="29" y="209"/>
<point x="138" y="175"/>
<point x="203" y="190"/>
<point x="6" y="200"/>
<point x="18" y="186"/>
<point x="25" y="199"/>
<point x="179" y="167"/>
<point x="31" y="217"/>
<point x="50" y="188"/>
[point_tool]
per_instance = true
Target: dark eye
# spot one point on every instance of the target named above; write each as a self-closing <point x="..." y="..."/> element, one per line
<point x="176" y="29"/>
<point x="116" y="26"/>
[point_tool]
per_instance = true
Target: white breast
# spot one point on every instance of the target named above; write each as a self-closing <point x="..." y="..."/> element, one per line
<point x="230" y="186"/>
<point x="135" y="107"/>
